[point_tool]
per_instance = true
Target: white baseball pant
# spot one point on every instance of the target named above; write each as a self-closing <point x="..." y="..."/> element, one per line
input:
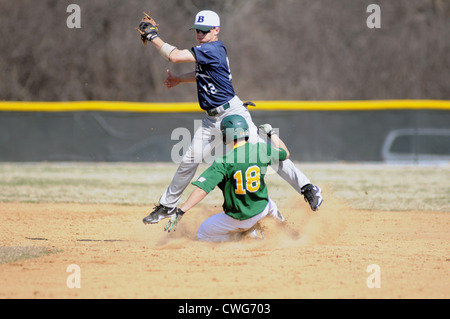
<point x="221" y="227"/>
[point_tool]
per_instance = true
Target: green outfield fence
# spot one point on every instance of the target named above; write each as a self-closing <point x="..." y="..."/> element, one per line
<point x="376" y="130"/>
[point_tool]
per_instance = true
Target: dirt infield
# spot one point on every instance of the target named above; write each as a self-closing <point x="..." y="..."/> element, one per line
<point x="324" y="255"/>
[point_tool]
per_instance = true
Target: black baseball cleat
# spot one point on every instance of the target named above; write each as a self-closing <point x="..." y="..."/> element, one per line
<point x="159" y="213"/>
<point x="312" y="196"/>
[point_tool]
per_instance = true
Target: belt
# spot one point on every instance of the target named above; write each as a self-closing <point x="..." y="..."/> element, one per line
<point x="218" y="110"/>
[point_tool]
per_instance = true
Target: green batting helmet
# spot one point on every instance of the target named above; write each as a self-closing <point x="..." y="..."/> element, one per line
<point x="233" y="127"/>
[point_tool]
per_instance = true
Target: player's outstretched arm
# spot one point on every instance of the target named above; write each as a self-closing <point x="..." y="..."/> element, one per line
<point x="148" y="30"/>
<point x="196" y="197"/>
<point x="278" y="142"/>
<point x="171" y="53"/>
<point x="274" y="138"/>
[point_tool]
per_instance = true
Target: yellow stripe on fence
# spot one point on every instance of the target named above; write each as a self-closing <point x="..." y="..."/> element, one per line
<point x="353" y="105"/>
<point x="180" y="107"/>
<point x="107" y="106"/>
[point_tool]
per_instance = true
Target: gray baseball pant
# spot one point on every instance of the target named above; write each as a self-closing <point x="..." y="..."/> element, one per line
<point x="208" y="137"/>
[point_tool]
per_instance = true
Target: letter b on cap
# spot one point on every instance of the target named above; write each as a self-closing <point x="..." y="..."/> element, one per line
<point x="201" y="19"/>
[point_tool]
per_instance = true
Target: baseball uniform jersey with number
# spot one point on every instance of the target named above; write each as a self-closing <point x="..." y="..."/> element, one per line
<point x="213" y="75"/>
<point x="240" y="175"/>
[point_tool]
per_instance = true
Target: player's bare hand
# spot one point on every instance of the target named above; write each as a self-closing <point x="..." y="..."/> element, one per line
<point x="171" y="80"/>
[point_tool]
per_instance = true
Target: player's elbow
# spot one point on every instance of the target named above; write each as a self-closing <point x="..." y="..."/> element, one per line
<point x="181" y="56"/>
<point x="175" y="59"/>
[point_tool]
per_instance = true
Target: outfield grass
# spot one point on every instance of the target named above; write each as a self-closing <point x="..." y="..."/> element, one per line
<point x="361" y="186"/>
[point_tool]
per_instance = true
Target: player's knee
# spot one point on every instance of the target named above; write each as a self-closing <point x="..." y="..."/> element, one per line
<point x="203" y="233"/>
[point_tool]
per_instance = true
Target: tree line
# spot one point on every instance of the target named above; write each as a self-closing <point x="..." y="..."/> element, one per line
<point x="278" y="50"/>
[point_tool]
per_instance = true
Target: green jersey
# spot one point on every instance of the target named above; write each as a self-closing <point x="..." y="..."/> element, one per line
<point x="240" y="175"/>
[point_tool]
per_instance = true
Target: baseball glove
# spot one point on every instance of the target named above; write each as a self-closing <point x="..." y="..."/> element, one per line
<point x="148" y="28"/>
